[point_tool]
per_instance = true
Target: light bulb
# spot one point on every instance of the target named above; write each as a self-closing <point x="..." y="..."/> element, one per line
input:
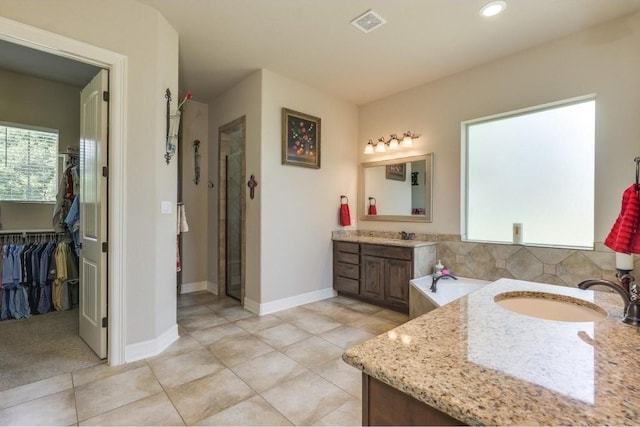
<point x="492" y="9"/>
<point x="369" y="148"/>
<point x="380" y="147"/>
<point x="407" y="141"/>
<point x="393" y="142"/>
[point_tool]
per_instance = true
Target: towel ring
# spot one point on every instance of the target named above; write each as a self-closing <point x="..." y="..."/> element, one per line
<point x="637" y="160"/>
<point x="375" y="202"/>
<point x="344" y="197"/>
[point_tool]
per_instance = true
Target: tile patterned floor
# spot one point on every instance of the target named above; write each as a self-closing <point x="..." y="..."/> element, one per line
<point x="229" y="367"/>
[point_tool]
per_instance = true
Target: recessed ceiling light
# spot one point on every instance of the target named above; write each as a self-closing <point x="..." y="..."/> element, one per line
<point x="494" y="8"/>
<point x="368" y="21"/>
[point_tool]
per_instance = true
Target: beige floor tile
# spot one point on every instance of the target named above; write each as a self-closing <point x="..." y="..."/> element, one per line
<point x="195" y="298"/>
<point x="185" y="344"/>
<point x="102" y="371"/>
<point x="349" y="414"/>
<point x="234" y="313"/>
<point x="258" y="323"/>
<point x="345" y="315"/>
<point x="155" y="410"/>
<point x="315" y="323"/>
<point x="235" y="350"/>
<point x="223" y="302"/>
<point x="313" y="352"/>
<point x="282" y="335"/>
<point x="345" y="376"/>
<point x="292" y="313"/>
<point x="211" y="335"/>
<point x="268" y="370"/>
<point x="27" y="392"/>
<point x="306" y="398"/>
<point x="199" y="399"/>
<point x="117" y="390"/>
<point x="202" y="321"/>
<point x="185" y="367"/>
<point x="393" y="316"/>
<point x="193" y="310"/>
<point x="346" y="336"/>
<point x="254" y="411"/>
<point x="374" y="325"/>
<point x="364" y="307"/>
<point x="55" y="409"/>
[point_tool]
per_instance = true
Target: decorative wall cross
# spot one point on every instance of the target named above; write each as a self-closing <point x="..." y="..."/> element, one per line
<point x="252" y="184"/>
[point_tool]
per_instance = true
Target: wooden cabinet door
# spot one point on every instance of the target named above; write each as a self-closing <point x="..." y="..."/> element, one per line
<point x="396" y="283"/>
<point x="372" y="276"/>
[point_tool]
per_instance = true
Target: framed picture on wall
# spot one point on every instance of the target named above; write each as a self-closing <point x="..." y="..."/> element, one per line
<point x="396" y="172"/>
<point x="300" y="139"/>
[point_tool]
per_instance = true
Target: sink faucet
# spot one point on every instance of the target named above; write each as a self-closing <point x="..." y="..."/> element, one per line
<point x="434" y="280"/>
<point x="406" y="236"/>
<point x="631" y="297"/>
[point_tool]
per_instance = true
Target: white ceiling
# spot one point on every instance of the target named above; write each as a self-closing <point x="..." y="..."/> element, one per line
<point x="312" y="41"/>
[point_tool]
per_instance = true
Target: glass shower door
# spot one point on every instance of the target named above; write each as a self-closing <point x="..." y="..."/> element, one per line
<point x="234" y="222"/>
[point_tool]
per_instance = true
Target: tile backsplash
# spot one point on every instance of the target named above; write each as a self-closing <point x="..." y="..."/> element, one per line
<point x="492" y="261"/>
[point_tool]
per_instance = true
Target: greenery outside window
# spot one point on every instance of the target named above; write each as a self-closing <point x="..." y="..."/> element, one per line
<point x="534" y="167"/>
<point x="28" y="163"/>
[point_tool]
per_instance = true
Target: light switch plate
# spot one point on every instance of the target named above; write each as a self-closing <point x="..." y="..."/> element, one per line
<point x="166" y="207"/>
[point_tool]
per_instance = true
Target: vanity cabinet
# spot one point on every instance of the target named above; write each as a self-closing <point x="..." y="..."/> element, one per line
<point x="377" y="273"/>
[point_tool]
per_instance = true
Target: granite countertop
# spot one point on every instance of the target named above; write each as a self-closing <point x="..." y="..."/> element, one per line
<point x="384" y="241"/>
<point x="485" y="365"/>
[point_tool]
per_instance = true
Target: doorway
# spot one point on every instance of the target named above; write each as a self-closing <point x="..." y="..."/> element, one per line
<point x="231" y="154"/>
<point x="59" y="46"/>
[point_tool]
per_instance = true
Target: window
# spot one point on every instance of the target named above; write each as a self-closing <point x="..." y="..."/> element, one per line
<point x="534" y="167"/>
<point x="28" y="163"/>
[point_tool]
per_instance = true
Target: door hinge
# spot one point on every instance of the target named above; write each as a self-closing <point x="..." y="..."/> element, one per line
<point x="105" y="96"/>
<point x="105" y="171"/>
<point x="105" y="247"/>
<point x="104" y="322"/>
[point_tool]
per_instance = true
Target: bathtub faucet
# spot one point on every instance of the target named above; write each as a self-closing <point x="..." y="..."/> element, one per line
<point x="434" y="280"/>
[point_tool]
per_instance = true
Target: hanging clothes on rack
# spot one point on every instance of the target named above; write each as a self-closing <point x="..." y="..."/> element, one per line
<point x="31" y="267"/>
<point x="68" y="188"/>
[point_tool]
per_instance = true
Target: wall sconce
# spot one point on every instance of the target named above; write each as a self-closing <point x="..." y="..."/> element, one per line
<point x="173" y="125"/>
<point x="393" y="143"/>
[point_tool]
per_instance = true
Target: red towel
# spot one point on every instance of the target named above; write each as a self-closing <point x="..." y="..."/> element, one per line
<point x="345" y="217"/>
<point x="372" y="209"/>
<point x="624" y="236"/>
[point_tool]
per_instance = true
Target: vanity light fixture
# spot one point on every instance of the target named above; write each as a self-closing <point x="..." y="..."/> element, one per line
<point x="393" y="143"/>
<point x="493" y="8"/>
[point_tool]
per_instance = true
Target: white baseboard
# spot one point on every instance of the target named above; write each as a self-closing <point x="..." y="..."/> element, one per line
<point x="285" y="303"/>
<point x="186" y="288"/>
<point x="142" y="350"/>
<point x="204" y="285"/>
<point x="212" y="287"/>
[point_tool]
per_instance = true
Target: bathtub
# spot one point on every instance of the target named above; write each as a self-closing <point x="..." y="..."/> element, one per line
<point x="422" y="300"/>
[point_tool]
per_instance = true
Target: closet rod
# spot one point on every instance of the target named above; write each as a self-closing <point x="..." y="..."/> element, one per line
<point x="23" y="232"/>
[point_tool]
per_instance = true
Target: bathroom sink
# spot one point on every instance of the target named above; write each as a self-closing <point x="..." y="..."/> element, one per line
<point x="550" y="306"/>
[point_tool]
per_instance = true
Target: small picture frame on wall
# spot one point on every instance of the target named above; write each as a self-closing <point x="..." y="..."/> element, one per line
<point x="300" y="139"/>
<point x="397" y="172"/>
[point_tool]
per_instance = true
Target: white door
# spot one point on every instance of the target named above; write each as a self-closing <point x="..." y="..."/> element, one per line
<point x="93" y="214"/>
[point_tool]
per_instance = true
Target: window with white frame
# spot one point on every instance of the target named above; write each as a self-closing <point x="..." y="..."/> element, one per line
<point x="28" y="163"/>
<point x="536" y="168"/>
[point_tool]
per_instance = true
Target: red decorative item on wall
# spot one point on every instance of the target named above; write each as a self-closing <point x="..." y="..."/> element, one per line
<point x="372" y="206"/>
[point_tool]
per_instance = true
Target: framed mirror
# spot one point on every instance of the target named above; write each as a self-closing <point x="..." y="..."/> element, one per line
<point x="396" y="189"/>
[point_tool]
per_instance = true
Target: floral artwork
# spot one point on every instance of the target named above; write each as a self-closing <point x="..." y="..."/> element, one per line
<point x="300" y="139"/>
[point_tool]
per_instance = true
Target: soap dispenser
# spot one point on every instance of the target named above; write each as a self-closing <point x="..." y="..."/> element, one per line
<point x="437" y="269"/>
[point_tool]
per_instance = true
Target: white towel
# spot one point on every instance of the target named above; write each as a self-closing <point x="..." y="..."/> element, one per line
<point x="183" y="227"/>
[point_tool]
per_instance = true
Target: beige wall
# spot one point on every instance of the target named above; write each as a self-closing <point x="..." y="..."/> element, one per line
<point x="603" y="60"/>
<point x="194" y="242"/>
<point x="45" y="103"/>
<point x="151" y="47"/>
<point x="244" y="99"/>
<point x="300" y="205"/>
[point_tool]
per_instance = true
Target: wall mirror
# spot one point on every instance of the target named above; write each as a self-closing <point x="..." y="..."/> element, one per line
<point x="399" y="189"/>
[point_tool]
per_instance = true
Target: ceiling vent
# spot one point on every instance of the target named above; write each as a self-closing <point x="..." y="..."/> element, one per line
<point x="368" y="21"/>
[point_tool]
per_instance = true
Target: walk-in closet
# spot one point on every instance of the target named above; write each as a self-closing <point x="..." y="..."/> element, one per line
<point x="41" y="103"/>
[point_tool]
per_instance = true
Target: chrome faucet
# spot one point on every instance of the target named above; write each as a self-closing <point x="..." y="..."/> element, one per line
<point x="434" y="280"/>
<point x="631" y="298"/>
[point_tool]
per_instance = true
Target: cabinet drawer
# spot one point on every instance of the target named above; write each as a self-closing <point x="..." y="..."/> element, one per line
<point x="346" y="247"/>
<point x="351" y="271"/>
<point x="396" y="252"/>
<point x="343" y="284"/>
<point x="347" y="257"/>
